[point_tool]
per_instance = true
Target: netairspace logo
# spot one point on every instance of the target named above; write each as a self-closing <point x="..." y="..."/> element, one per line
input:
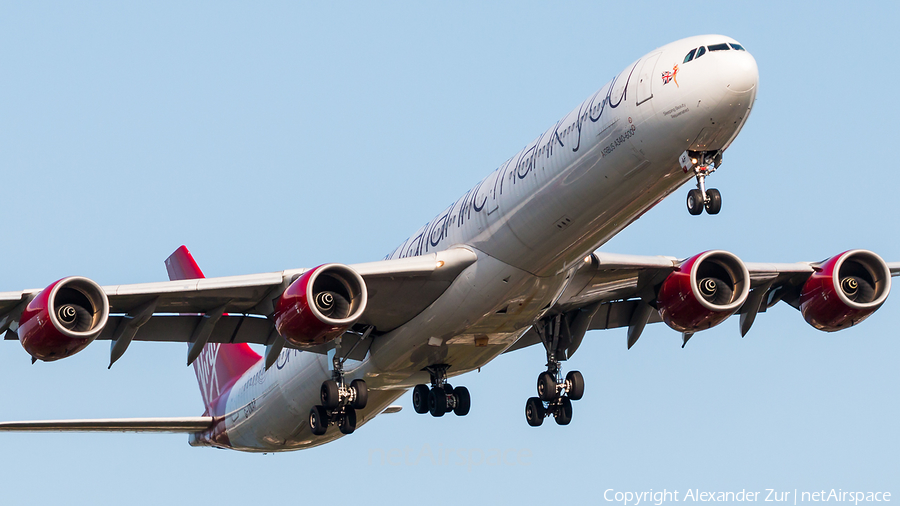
<point x="441" y="456"/>
<point x="658" y="498"/>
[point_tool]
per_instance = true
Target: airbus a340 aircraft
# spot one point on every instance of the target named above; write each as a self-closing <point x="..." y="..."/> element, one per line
<point x="512" y="263"/>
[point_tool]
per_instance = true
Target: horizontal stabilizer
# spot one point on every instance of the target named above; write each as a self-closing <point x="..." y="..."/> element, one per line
<point x="183" y="424"/>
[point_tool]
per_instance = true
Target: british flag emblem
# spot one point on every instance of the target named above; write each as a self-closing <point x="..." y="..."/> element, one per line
<point x="671" y="75"/>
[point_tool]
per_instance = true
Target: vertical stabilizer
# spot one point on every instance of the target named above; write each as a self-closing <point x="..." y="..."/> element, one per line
<point x="218" y="364"/>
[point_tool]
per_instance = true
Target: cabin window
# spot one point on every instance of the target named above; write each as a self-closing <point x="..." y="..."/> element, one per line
<point x="737" y="47"/>
<point x="719" y="47"/>
<point x="690" y="56"/>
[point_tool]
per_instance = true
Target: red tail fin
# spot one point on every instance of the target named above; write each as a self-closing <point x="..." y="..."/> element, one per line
<point x="217" y="364"/>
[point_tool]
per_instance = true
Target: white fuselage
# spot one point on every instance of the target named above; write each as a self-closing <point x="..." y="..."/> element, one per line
<point x="530" y="222"/>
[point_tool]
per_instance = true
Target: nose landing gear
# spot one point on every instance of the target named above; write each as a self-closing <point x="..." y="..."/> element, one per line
<point x="702" y="164"/>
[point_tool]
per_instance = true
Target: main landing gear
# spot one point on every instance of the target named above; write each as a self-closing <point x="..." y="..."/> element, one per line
<point x="441" y="398"/>
<point x="702" y="164"/>
<point x="339" y="402"/>
<point x="555" y="394"/>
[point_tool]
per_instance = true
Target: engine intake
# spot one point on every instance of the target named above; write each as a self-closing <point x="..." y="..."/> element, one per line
<point x="63" y="319"/>
<point x="844" y="290"/>
<point x="321" y="305"/>
<point x="704" y="291"/>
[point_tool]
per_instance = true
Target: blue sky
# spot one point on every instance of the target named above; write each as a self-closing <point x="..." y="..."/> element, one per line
<point x="281" y="136"/>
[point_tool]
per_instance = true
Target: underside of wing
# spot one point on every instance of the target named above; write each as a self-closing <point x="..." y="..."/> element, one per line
<point x="184" y="424"/>
<point x="612" y="291"/>
<point x="287" y="308"/>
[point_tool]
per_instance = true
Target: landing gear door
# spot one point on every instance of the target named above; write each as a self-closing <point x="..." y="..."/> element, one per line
<point x="645" y="78"/>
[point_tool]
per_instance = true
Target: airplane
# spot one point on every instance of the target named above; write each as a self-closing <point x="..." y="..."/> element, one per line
<point x="512" y="263"/>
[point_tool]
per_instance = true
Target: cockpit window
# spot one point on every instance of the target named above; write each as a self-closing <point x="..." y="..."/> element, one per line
<point x="719" y="47"/>
<point x="690" y="56"/>
<point x="738" y="47"/>
<point x="701" y="52"/>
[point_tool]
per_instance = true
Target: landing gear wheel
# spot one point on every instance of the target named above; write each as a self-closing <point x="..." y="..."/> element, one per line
<point x="437" y="402"/>
<point x="348" y="422"/>
<point x="714" y="205"/>
<point x="563" y="413"/>
<point x="318" y="420"/>
<point x="546" y="386"/>
<point x="361" y="397"/>
<point x="420" y="399"/>
<point x="534" y="412"/>
<point x="695" y="202"/>
<point x="330" y="394"/>
<point x="575" y="385"/>
<point x="463" y="401"/>
<point x="440" y="397"/>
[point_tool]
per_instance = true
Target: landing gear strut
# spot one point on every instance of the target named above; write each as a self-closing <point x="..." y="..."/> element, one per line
<point x="339" y="400"/>
<point x="702" y="164"/>
<point x="441" y="398"/>
<point x="555" y="394"/>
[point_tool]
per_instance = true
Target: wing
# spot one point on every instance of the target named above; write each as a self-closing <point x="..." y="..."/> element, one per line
<point x="174" y="310"/>
<point x="612" y="291"/>
<point x="183" y="424"/>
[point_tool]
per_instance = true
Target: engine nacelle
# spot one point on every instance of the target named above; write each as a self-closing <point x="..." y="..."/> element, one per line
<point x="704" y="291"/>
<point x="63" y="319"/>
<point x="320" y="305"/>
<point x="844" y="290"/>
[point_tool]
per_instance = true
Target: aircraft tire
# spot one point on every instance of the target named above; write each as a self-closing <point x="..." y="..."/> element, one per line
<point x="715" y="201"/>
<point x="362" y="394"/>
<point x="534" y="412"/>
<point x="546" y="386"/>
<point x="575" y="385"/>
<point x="348" y="422"/>
<point x="437" y="402"/>
<point x="463" y="401"/>
<point x="420" y="399"/>
<point x="318" y="420"/>
<point x="329" y="394"/>
<point x="563" y="413"/>
<point x="695" y="202"/>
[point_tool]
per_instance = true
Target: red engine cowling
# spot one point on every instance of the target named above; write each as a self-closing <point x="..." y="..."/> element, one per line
<point x="63" y="319"/>
<point x="844" y="290"/>
<point x="704" y="291"/>
<point x="320" y="305"/>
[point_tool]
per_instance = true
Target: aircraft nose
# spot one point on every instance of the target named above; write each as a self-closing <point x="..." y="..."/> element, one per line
<point x="741" y="73"/>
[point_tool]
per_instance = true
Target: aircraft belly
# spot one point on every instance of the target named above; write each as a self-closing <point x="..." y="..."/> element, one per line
<point x="483" y="312"/>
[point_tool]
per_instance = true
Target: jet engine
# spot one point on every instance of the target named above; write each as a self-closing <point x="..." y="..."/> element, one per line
<point x="63" y="319"/>
<point x="844" y="290"/>
<point x="320" y="305"/>
<point x="704" y="291"/>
